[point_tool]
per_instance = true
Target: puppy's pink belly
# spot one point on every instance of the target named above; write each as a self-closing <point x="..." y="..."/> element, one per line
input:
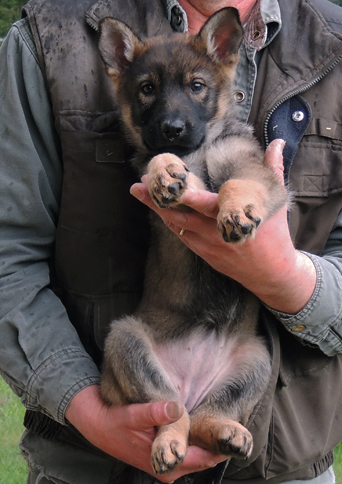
<point x="197" y="366"/>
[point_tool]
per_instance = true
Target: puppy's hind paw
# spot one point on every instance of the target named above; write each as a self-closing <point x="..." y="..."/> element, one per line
<point x="165" y="455"/>
<point x="235" y="440"/>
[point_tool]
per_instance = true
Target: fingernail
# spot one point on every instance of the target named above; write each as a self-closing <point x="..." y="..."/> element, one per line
<point x="173" y="409"/>
<point x="282" y="145"/>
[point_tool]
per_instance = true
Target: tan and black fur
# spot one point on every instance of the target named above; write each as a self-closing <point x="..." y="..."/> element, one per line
<point x="194" y="336"/>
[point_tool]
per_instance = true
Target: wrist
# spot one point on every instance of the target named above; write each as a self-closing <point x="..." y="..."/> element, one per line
<point x="84" y="409"/>
<point x="291" y="286"/>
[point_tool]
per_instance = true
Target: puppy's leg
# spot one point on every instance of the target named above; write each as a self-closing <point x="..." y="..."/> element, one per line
<point x="169" y="177"/>
<point x="132" y="373"/>
<point x="249" y="190"/>
<point x="217" y="424"/>
<point x="221" y="436"/>
<point x="170" y="445"/>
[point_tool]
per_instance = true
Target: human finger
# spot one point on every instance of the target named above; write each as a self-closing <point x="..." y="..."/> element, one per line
<point x="201" y="201"/>
<point x="196" y="460"/>
<point x="140" y="192"/>
<point x="174" y="219"/>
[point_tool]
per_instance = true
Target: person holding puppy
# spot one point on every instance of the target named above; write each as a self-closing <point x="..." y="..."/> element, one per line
<point x="73" y="241"/>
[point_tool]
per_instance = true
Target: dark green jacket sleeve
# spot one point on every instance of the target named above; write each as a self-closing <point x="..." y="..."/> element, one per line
<point x="41" y="356"/>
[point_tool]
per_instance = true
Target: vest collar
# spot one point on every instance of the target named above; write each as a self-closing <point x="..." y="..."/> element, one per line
<point x="306" y="48"/>
<point x="150" y="15"/>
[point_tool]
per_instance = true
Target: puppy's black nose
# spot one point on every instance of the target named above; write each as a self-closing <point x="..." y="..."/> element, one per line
<point x="172" y="129"/>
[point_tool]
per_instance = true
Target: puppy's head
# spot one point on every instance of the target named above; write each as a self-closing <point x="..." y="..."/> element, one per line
<point x="172" y="90"/>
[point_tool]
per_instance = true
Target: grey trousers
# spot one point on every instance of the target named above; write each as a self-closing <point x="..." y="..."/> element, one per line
<point x="61" y="462"/>
<point x="328" y="477"/>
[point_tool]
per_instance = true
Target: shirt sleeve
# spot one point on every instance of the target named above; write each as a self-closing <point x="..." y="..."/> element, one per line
<point x="319" y="323"/>
<point x="41" y="356"/>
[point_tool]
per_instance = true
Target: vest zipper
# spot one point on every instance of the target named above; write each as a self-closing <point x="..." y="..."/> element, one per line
<point x="92" y="23"/>
<point x="296" y="92"/>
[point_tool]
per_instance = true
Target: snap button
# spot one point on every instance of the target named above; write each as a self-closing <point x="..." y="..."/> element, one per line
<point x="176" y="19"/>
<point x="256" y="35"/>
<point x="239" y="96"/>
<point x="179" y="20"/>
<point x="298" y="116"/>
<point x="298" y="329"/>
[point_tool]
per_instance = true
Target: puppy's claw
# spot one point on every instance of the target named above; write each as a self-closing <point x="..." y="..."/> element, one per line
<point x="165" y="457"/>
<point x="168" y="179"/>
<point x="238" y="225"/>
<point x="181" y="176"/>
<point x="238" y="444"/>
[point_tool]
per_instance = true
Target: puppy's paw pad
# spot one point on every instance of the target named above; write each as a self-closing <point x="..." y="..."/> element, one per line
<point x="236" y="225"/>
<point x="168" y="179"/>
<point x="166" y="455"/>
<point x="235" y="441"/>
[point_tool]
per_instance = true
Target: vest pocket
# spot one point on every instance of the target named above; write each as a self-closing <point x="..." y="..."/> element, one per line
<point x="296" y="425"/>
<point x="322" y="176"/>
<point x="316" y="183"/>
<point x="307" y="405"/>
<point x="102" y="235"/>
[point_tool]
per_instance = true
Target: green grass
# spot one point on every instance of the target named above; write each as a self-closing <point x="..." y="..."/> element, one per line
<point x="338" y="464"/>
<point x="13" y="468"/>
<point x="10" y="11"/>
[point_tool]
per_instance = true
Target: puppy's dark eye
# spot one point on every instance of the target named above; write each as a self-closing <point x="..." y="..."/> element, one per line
<point x="147" y="88"/>
<point x="197" y="86"/>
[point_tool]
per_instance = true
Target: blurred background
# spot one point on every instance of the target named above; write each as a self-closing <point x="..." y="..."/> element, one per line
<point x="10" y="11"/>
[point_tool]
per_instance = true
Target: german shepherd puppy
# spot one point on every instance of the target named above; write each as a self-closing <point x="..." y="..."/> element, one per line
<point x="194" y="336"/>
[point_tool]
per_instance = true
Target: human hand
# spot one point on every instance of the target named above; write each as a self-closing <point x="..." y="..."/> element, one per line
<point x="268" y="265"/>
<point x="127" y="432"/>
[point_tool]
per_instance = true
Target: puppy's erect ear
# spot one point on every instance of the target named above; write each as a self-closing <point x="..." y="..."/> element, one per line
<point x="222" y="35"/>
<point x="117" y="44"/>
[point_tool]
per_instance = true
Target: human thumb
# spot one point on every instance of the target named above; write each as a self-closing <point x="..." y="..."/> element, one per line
<point x="274" y="157"/>
<point x="157" y="413"/>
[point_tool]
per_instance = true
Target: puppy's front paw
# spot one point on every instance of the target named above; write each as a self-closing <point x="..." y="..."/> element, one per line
<point x="167" y="179"/>
<point x="242" y="208"/>
<point x="237" y="224"/>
